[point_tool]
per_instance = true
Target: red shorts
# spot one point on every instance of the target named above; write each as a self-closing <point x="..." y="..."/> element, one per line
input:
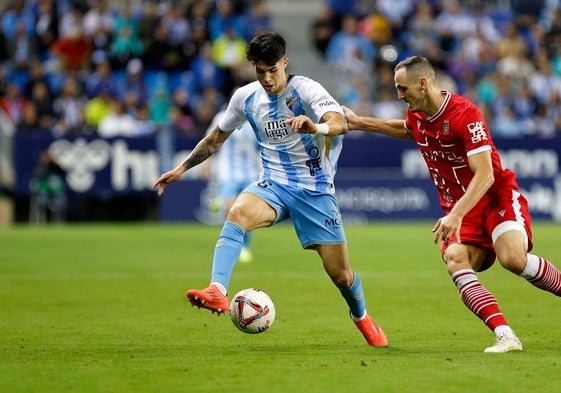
<point x="478" y="225"/>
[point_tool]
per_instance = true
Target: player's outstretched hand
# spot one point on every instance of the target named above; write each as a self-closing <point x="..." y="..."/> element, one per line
<point x="301" y="124"/>
<point x="352" y="118"/>
<point x="165" y="179"/>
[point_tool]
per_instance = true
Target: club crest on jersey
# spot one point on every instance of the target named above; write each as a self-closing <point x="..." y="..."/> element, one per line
<point x="446" y="127"/>
<point x="292" y="103"/>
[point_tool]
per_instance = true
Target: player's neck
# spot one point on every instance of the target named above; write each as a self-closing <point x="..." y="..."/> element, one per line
<point x="434" y="101"/>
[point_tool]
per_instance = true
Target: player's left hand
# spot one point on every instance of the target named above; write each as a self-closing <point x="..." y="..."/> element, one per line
<point x="301" y="124"/>
<point x="165" y="179"/>
<point x="447" y="226"/>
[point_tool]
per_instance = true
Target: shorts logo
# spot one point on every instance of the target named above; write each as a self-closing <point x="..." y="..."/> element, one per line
<point x="335" y="221"/>
<point x="502" y="213"/>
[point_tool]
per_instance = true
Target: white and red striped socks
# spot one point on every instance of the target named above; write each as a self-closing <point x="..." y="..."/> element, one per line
<point x="542" y="274"/>
<point x="478" y="299"/>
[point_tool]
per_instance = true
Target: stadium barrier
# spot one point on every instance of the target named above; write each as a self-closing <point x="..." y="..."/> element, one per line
<point x="378" y="178"/>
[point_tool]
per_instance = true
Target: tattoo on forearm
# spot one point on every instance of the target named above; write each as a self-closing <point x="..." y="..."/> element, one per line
<point x="200" y="153"/>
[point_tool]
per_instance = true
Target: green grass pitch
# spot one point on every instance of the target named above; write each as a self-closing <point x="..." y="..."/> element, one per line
<point x="100" y="308"/>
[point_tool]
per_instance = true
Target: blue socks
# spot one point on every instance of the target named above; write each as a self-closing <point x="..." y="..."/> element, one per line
<point x="226" y="253"/>
<point x="354" y="296"/>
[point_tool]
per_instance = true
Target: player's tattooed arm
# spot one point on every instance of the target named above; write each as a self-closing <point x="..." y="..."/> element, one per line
<point x="205" y="148"/>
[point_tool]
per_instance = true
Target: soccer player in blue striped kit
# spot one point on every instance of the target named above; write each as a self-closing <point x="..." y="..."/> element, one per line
<point x="299" y="128"/>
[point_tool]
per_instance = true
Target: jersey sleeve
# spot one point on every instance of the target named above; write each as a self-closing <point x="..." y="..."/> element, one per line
<point x="474" y="131"/>
<point x="234" y="116"/>
<point x="321" y="101"/>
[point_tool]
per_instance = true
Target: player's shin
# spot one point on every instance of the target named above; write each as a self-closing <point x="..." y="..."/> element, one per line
<point x="354" y="296"/>
<point x="226" y="253"/>
<point x="542" y="274"/>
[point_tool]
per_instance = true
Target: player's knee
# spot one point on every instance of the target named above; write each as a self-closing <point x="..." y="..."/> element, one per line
<point x="455" y="261"/>
<point x="513" y="260"/>
<point x="341" y="278"/>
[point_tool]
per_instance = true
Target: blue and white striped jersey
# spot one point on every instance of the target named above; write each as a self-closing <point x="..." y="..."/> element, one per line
<point x="302" y="160"/>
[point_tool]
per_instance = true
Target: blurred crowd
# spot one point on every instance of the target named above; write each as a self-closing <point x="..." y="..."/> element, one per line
<point x="133" y="67"/>
<point x="504" y="55"/>
<point x="124" y="67"/>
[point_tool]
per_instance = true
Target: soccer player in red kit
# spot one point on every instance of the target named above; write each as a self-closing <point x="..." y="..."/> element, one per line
<point x="485" y="215"/>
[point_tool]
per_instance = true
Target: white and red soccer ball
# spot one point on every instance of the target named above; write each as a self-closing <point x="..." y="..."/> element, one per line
<point x="252" y="311"/>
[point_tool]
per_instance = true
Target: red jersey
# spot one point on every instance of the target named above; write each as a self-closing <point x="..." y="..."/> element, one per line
<point x="446" y="140"/>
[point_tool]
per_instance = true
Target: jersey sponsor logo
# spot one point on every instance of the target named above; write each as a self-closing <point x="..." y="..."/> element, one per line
<point x="314" y="163"/>
<point x="327" y="103"/>
<point x="276" y="131"/>
<point x="477" y="130"/>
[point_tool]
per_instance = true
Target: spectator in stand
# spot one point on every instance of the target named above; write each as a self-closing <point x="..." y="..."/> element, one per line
<point x="99" y="19"/>
<point x="134" y="82"/>
<point x="69" y="107"/>
<point x="22" y="48"/>
<point x="420" y="32"/>
<point x="12" y="103"/>
<point x="524" y="103"/>
<point x="453" y="24"/>
<point x="117" y="123"/>
<point x="178" y="35"/>
<point x="377" y="28"/>
<point x="36" y="75"/>
<point x="350" y="54"/>
<point x="159" y="103"/>
<point x="68" y="20"/>
<point x="149" y="19"/>
<point x="257" y="20"/>
<point x="29" y="122"/>
<point x="506" y="125"/>
<point x="338" y="9"/>
<point x="101" y="78"/>
<point x="543" y="83"/>
<point x="205" y="107"/>
<point x="511" y="41"/>
<point x="228" y="52"/>
<point x="396" y="12"/>
<point x="517" y="67"/>
<point x="124" y="47"/>
<point x="160" y="55"/>
<point x="72" y="52"/>
<point x="46" y="27"/>
<point x="222" y="18"/>
<point x="43" y="103"/>
<point x="144" y="126"/>
<point x="182" y="113"/>
<point x="206" y="73"/>
<point x="17" y="13"/>
<point x="323" y="28"/>
<point x="541" y="124"/>
<point x="386" y="105"/>
<point x="97" y="108"/>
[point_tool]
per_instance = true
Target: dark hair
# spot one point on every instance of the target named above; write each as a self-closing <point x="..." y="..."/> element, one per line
<point x="267" y="47"/>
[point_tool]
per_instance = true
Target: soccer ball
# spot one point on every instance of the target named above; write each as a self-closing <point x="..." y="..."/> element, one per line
<point x="252" y="311"/>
